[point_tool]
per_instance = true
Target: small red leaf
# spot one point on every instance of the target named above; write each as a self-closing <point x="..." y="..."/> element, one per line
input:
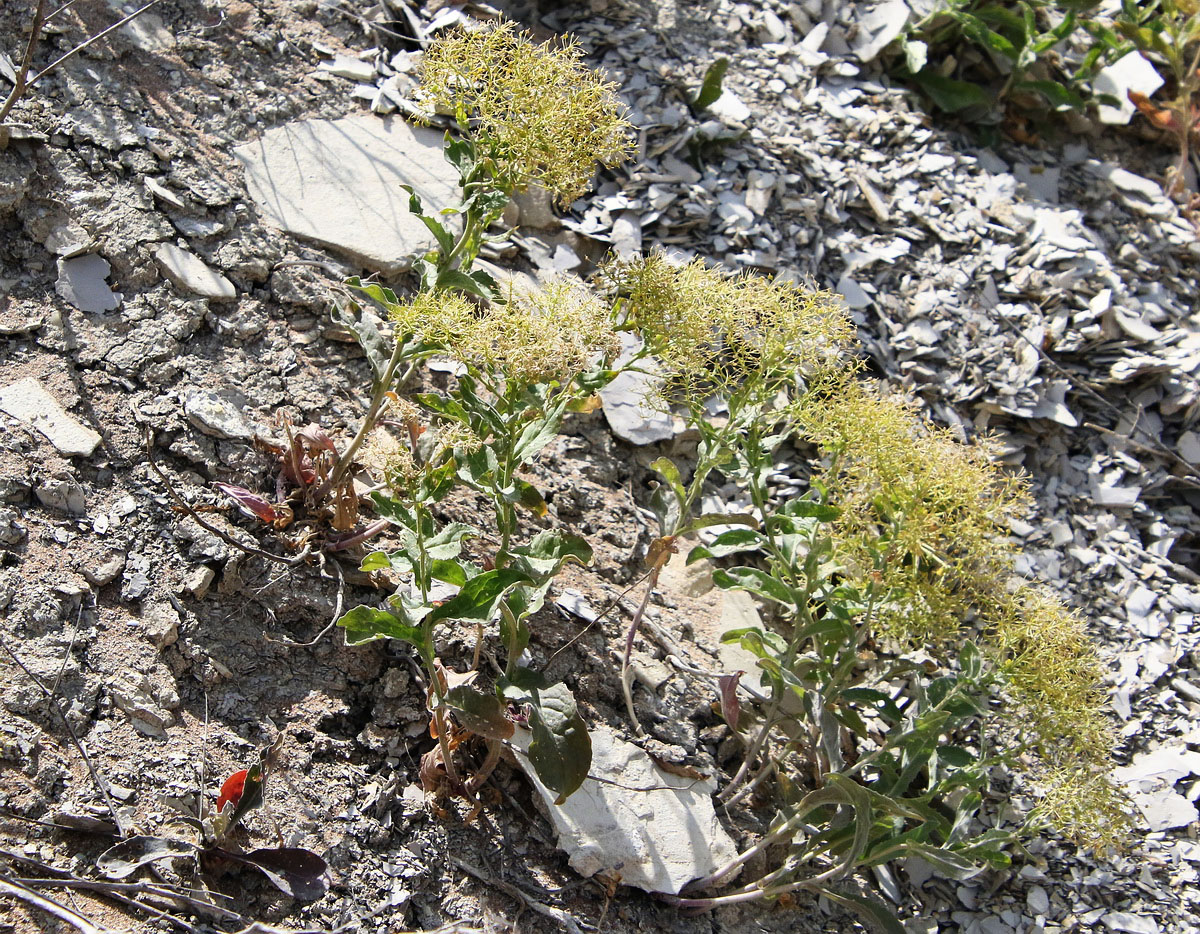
<point x="250" y="503"/>
<point x="231" y="791"/>
<point x="731" y="708"/>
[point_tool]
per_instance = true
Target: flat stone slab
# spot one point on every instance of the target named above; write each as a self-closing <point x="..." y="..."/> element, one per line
<point x="81" y="282"/>
<point x="190" y="273"/>
<point x="337" y="183"/>
<point x="27" y="401"/>
<point x="650" y="829"/>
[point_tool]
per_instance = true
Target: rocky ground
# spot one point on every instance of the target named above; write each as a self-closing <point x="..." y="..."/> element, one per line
<point x="164" y="296"/>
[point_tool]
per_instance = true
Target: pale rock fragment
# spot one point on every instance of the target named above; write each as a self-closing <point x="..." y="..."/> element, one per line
<point x="1116" y="496"/>
<point x="191" y="274"/>
<point x="1165" y="810"/>
<point x="1129" y="923"/>
<point x="104" y="126"/>
<point x="81" y="282"/>
<point x="1189" y="447"/>
<point x="651" y="829"/>
<point x="160" y="623"/>
<point x="149" y="33"/>
<point x="855" y="295"/>
<point x="68" y="240"/>
<point x="217" y="414"/>
<point x="1131" y="72"/>
<point x="730" y="108"/>
<point x="344" y="66"/>
<point x="28" y="401"/>
<point x="535" y="207"/>
<point x="630" y="407"/>
<point x="133" y="692"/>
<point x="1167" y="763"/>
<point x="878" y="26"/>
<point x="338" y="184"/>
<point x="627" y="235"/>
<point x="62" y="493"/>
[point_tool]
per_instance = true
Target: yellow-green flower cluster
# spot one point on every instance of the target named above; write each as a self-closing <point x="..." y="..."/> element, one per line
<point x="919" y="508"/>
<point x="924" y="516"/>
<point x="538" y="111"/>
<point x="715" y="334"/>
<point x="1053" y="677"/>
<point x="549" y="334"/>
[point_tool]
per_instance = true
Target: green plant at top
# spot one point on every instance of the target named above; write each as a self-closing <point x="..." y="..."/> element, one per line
<point x="901" y="667"/>
<point x="526" y="357"/>
<point x="1015" y="59"/>
<point x="1167" y="33"/>
<point x="526" y="113"/>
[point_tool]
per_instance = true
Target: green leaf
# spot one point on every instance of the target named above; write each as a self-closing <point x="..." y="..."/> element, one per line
<point x="366" y="624"/>
<point x="666" y="508"/>
<point x="756" y="581"/>
<point x="445" y="240"/>
<point x="710" y="88"/>
<point x="728" y="543"/>
<point x="414" y="200"/>
<point x="450" y="571"/>
<point x="526" y="495"/>
<point x="956" y="756"/>
<point x="295" y="871"/>
<point x="978" y="31"/>
<point x="872" y="911"/>
<point x="809" y="509"/>
<point x="521" y="684"/>
<point x="376" y="561"/>
<point x="394" y="510"/>
<point x="460" y="153"/>
<point x="456" y="279"/>
<point x="722" y="518"/>
<point x="561" y="750"/>
<point x="251" y="796"/>
<point x="887" y="706"/>
<point x="1060" y="96"/>
<point x="479" y="712"/>
<point x="490" y="203"/>
<point x="448" y="542"/>
<point x="970" y="660"/>
<point x="481" y="409"/>
<point x="665" y="467"/>
<point x="550" y="549"/>
<point x="130" y="855"/>
<point x="481" y="596"/>
<point x="952" y="95"/>
<point x="951" y="864"/>
<point x="514" y="631"/>
<point x="536" y="435"/>
<point x="762" y="643"/>
<point x="366" y="331"/>
<point x="488" y="284"/>
<point x="940" y="688"/>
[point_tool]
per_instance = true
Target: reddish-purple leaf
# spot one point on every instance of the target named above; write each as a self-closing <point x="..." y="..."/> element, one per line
<point x="250" y="503"/>
<point x="731" y="708"/>
<point x="314" y="437"/>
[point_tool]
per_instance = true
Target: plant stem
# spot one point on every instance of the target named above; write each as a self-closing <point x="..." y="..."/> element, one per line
<point x="22" y="82"/>
<point x="370" y="418"/>
<point x="626" y="670"/>
<point x="755" y="746"/>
